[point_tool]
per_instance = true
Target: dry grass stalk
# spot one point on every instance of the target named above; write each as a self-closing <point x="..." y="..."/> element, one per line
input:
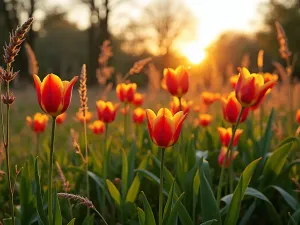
<point x="104" y="72"/>
<point x="65" y="182"/>
<point x="83" y="91"/>
<point x="33" y="67"/>
<point x="81" y="200"/>
<point x="139" y="66"/>
<point x="16" y="38"/>
<point x="283" y="42"/>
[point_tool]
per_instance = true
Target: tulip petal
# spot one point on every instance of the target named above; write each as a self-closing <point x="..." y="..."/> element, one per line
<point x="178" y="126"/>
<point x="37" y="83"/>
<point x="68" y="87"/>
<point x="163" y="129"/>
<point x="165" y="112"/>
<point x="150" y="118"/>
<point x="52" y="94"/>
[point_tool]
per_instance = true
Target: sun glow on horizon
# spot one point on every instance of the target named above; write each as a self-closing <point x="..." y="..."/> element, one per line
<point x="194" y="53"/>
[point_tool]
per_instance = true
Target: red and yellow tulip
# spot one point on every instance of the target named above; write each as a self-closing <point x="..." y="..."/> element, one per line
<point x="124" y="110"/>
<point x="209" y="98"/>
<point x="38" y="123"/>
<point x="61" y="118"/>
<point x="185" y="106"/>
<point x="298" y="116"/>
<point x="138" y="115"/>
<point x="164" y="128"/>
<point x="233" y="80"/>
<point x="222" y="156"/>
<point x="81" y="118"/>
<point x="177" y="81"/>
<point x="54" y="95"/>
<point x="106" y="111"/>
<point x="205" y="120"/>
<point x="251" y="88"/>
<point x="126" y="92"/>
<point x="231" y="109"/>
<point x="226" y="134"/>
<point x="98" y="127"/>
<point x="138" y="99"/>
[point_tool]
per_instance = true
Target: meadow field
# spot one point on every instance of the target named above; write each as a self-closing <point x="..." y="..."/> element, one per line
<point x="184" y="149"/>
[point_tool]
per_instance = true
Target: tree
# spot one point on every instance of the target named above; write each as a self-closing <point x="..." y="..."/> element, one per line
<point x="162" y="24"/>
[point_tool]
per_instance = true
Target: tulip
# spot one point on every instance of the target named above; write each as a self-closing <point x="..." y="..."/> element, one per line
<point x="81" y="118"/>
<point x="54" y="95"/>
<point x="196" y="109"/>
<point x="177" y="81"/>
<point x="208" y="98"/>
<point x="61" y="118"/>
<point x="98" y="127"/>
<point x="164" y="128"/>
<point x="251" y="88"/>
<point x="185" y="106"/>
<point x="38" y="123"/>
<point x="231" y="109"/>
<point x="205" y="120"/>
<point x="226" y="135"/>
<point x="106" y="111"/>
<point x="126" y="92"/>
<point x="222" y="156"/>
<point x="138" y="99"/>
<point x="138" y="115"/>
<point x="124" y="111"/>
<point x="233" y="80"/>
<point x="298" y="116"/>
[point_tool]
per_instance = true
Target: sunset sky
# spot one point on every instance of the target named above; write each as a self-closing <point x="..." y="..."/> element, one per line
<point x="214" y="17"/>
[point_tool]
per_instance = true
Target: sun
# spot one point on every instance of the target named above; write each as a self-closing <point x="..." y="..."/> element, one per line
<point x="193" y="53"/>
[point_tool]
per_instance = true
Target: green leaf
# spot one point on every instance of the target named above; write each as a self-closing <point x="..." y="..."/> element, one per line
<point x="168" y="206"/>
<point x="27" y="203"/>
<point x="266" y="140"/>
<point x="141" y="216"/>
<point x="295" y="218"/>
<point x="135" y="186"/>
<point x="57" y="218"/>
<point x="72" y="222"/>
<point x="39" y="199"/>
<point x="209" y="222"/>
<point x="275" y="163"/>
<point x="238" y="195"/>
<point x="290" y="200"/>
<point x="209" y="205"/>
<point x="149" y="217"/>
<point x="173" y="215"/>
<point x="124" y="182"/>
<point x="131" y="162"/>
<point x="196" y="186"/>
<point x="168" y="177"/>
<point x="114" y="192"/>
<point x="248" y="214"/>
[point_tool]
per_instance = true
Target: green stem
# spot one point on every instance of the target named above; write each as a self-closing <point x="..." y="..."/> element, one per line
<point x="86" y="163"/>
<point x="161" y="199"/>
<point x="125" y="124"/>
<point x="261" y="112"/>
<point x="219" y="192"/>
<point x="99" y="214"/>
<point x="50" y="176"/>
<point x="70" y="209"/>
<point x="37" y="144"/>
<point x="104" y="169"/>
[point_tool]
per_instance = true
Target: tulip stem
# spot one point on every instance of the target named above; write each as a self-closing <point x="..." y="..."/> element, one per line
<point x="104" y="169"/>
<point x="37" y="144"/>
<point x="261" y="112"/>
<point x="125" y="124"/>
<point x="161" y="199"/>
<point x="181" y="134"/>
<point x="50" y="177"/>
<point x="228" y="153"/>
<point x="86" y="162"/>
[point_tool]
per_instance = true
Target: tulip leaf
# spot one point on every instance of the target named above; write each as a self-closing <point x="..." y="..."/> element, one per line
<point x="141" y="216"/>
<point x="266" y="140"/>
<point x="114" y="192"/>
<point x="173" y="215"/>
<point x="210" y="210"/>
<point x="295" y="218"/>
<point x="290" y="200"/>
<point x="275" y="163"/>
<point x="124" y="182"/>
<point x="196" y="186"/>
<point x="248" y="213"/>
<point x="131" y="157"/>
<point x="135" y="185"/>
<point x="209" y="222"/>
<point x="149" y="217"/>
<point x="72" y="222"/>
<point x="39" y="199"/>
<point x="168" y="206"/>
<point x="238" y="195"/>
<point x="57" y="218"/>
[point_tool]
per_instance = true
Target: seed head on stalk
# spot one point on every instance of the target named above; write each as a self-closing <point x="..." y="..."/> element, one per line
<point x="83" y="91"/>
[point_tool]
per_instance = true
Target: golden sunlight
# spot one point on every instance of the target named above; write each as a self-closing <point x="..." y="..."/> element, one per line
<point x="193" y="53"/>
